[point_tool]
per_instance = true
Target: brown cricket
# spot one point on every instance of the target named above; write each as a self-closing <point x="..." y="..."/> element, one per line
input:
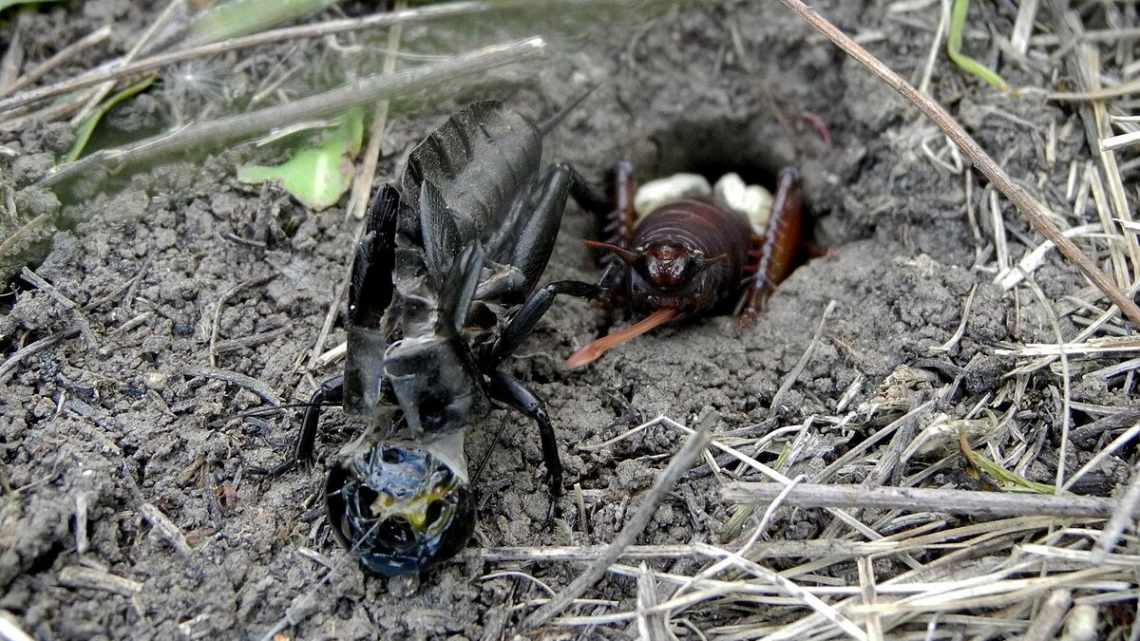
<point x="690" y="257"/>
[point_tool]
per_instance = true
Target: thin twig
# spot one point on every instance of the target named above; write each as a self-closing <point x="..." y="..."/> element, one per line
<point x="217" y="316"/>
<point x="362" y="186"/>
<point x="334" y="305"/>
<point x="332" y="355"/>
<point x="43" y="285"/>
<point x="80" y="577"/>
<point x="9" y="365"/>
<point x="235" y="378"/>
<point x="1034" y="211"/>
<point x="96" y="96"/>
<point x="329" y="103"/>
<point x="790" y="379"/>
<point x="922" y="499"/>
<point x="1115" y="91"/>
<point x="62" y="56"/>
<point x="579" y="553"/>
<point x="681" y="462"/>
<point x="1050" y="616"/>
<point x="166" y="528"/>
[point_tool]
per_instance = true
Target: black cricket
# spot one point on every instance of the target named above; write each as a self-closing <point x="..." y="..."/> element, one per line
<point x="442" y="291"/>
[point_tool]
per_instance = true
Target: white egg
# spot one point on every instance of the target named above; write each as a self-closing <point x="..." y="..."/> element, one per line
<point x="755" y="202"/>
<point x="655" y="193"/>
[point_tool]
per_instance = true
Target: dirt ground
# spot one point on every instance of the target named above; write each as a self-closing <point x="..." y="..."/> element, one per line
<point x="117" y="418"/>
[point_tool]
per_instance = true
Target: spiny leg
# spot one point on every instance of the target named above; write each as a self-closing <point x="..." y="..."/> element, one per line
<point x="616" y="219"/>
<point x="782" y="240"/>
<point x="623" y="218"/>
<point x="588" y="197"/>
<point x="507" y="389"/>
<point x="522" y="323"/>
<point x="531" y="242"/>
<point x="535" y="241"/>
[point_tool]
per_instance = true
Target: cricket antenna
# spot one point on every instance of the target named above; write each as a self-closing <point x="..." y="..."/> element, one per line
<point x="548" y="125"/>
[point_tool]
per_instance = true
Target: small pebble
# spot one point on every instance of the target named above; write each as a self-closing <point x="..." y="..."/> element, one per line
<point x="155" y="380"/>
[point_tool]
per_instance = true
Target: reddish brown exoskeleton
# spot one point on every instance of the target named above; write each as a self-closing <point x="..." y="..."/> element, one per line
<point x="690" y="257"/>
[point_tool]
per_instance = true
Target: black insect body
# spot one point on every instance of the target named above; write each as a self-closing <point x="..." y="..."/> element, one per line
<point x="473" y="222"/>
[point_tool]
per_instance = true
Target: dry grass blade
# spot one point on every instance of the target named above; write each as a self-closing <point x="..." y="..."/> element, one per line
<point x="681" y="462"/>
<point x="572" y="553"/>
<point x="1023" y="25"/>
<point x="651" y="626"/>
<point x="10" y="628"/>
<point x="815" y="603"/>
<point x="1121" y="518"/>
<point x="790" y="379"/>
<point x="60" y="57"/>
<point x="1085" y="65"/>
<point x="922" y="499"/>
<point x="1109" y="345"/>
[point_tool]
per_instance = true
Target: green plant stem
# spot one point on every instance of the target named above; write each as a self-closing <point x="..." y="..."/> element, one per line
<point x="322" y="105"/>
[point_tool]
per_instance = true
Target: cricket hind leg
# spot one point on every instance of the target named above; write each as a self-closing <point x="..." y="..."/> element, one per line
<point x="778" y="249"/>
<point x="614" y="221"/>
<point x="526" y="246"/>
<point x="523" y="321"/>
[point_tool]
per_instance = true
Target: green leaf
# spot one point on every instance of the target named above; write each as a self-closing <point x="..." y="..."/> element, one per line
<point x="242" y="17"/>
<point x="4" y="4"/>
<point x="1003" y="478"/>
<point x="954" y="48"/>
<point x="87" y="127"/>
<point x="317" y="176"/>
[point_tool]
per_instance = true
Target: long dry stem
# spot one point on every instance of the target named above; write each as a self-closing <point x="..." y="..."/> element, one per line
<point x="922" y="499"/>
<point x="1034" y="211"/>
